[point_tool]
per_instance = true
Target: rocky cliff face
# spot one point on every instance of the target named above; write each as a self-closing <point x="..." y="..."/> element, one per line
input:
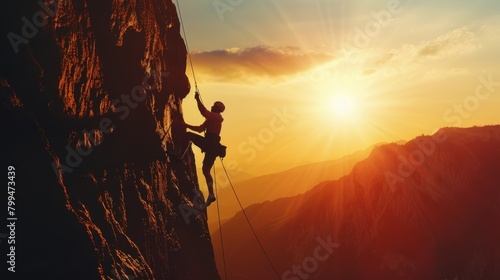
<point x="89" y="92"/>
<point x="428" y="209"/>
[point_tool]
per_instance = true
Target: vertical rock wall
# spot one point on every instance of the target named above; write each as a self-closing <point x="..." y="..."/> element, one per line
<point x="89" y="90"/>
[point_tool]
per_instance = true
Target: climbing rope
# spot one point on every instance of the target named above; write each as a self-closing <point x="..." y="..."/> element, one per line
<point x="248" y="221"/>
<point x="192" y="68"/>
<point x="187" y="46"/>
<point x="220" y="227"/>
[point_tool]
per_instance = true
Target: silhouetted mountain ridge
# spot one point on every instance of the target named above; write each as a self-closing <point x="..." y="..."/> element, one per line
<point x="273" y="186"/>
<point x="441" y="221"/>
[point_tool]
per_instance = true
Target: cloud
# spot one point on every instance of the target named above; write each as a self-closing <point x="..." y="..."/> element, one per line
<point x="443" y="73"/>
<point x="457" y="41"/>
<point x="259" y="62"/>
<point x="454" y="43"/>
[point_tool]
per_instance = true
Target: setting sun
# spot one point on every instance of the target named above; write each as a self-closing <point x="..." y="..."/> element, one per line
<point x="343" y="107"/>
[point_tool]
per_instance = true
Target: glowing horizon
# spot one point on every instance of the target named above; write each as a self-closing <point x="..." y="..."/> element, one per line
<point x="348" y="76"/>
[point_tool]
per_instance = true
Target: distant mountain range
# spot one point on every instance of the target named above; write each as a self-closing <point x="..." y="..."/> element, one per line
<point x="428" y="209"/>
<point x="287" y="183"/>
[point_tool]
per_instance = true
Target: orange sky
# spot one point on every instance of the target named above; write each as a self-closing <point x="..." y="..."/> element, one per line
<point x="316" y="80"/>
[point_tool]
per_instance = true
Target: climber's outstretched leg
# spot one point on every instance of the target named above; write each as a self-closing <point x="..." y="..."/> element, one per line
<point x="208" y="163"/>
<point x="189" y="138"/>
<point x="196" y="139"/>
<point x="210" y="182"/>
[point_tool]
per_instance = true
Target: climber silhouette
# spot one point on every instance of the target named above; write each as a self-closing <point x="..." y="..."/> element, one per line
<point x="210" y="144"/>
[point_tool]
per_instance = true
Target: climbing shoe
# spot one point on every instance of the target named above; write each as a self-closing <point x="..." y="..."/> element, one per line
<point x="210" y="199"/>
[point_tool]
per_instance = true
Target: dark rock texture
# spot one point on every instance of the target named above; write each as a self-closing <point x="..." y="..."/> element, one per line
<point x="89" y="91"/>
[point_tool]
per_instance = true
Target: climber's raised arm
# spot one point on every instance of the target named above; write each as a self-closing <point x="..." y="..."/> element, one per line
<point x="204" y="112"/>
